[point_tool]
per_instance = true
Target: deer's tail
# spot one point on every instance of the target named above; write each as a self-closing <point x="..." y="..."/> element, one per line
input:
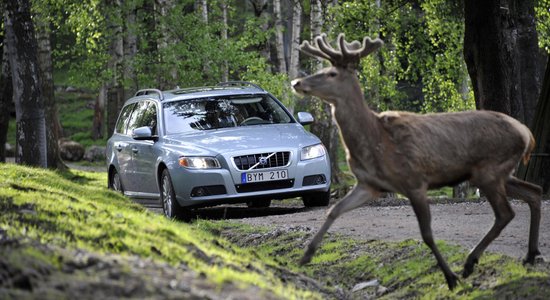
<point x="529" y="149"/>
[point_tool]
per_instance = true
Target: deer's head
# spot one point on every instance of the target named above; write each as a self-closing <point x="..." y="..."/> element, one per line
<point x="331" y="84"/>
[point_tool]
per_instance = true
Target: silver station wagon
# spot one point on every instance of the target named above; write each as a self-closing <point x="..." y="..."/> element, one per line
<point x="204" y="146"/>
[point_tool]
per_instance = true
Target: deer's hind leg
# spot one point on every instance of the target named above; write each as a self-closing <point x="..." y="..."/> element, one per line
<point x="355" y="198"/>
<point x="532" y="195"/>
<point x="496" y="195"/>
<point x="421" y="208"/>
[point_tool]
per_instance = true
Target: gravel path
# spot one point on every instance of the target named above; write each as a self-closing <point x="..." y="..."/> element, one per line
<point x="461" y="224"/>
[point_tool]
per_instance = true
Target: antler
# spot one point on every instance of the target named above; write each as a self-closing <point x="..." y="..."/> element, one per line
<point x="347" y="55"/>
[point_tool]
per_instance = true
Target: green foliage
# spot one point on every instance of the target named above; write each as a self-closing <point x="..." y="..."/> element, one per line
<point x="542" y="15"/>
<point x="420" y="67"/>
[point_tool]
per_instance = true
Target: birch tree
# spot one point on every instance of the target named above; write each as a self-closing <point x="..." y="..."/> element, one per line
<point x="279" y="37"/>
<point x="53" y="125"/>
<point x="114" y="87"/>
<point x="31" y="148"/>
<point x="294" y="65"/>
<point x="324" y="126"/>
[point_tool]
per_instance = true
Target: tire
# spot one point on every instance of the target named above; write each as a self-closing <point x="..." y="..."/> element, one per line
<point x="170" y="205"/>
<point x="114" y="182"/>
<point x="260" y="203"/>
<point x="317" y="199"/>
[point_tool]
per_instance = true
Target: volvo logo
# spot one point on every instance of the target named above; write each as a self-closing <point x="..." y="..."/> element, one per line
<point x="263" y="160"/>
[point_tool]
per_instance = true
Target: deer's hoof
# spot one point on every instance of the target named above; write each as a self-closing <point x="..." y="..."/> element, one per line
<point x="452" y="280"/>
<point x="530" y="258"/>
<point x="305" y="259"/>
<point x="469" y="268"/>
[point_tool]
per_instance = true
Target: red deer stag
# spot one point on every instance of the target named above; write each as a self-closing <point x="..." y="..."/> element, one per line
<point x="410" y="153"/>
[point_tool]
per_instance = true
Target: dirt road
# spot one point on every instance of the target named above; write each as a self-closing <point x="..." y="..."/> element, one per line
<point x="461" y="224"/>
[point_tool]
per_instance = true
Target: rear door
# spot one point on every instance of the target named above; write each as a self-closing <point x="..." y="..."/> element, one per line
<point x="144" y="153"/>
<point x="121" y="146"/>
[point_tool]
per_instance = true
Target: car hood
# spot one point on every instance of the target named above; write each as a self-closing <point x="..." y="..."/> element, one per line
<point x="227" y="140"/>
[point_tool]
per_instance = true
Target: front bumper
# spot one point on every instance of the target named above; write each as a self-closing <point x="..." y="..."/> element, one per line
<point x="199" y="188"/>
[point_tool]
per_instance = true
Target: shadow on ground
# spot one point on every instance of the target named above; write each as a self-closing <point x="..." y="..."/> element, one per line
<point x="237" y="211"/>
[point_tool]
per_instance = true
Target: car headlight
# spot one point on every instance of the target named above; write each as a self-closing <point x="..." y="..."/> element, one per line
<point x="314" y="151"/>
<point x="199" y="162"/>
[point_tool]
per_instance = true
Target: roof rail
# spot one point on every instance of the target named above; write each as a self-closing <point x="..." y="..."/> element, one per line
<point x="237" y="83"/>
<point x="150" y="91"/>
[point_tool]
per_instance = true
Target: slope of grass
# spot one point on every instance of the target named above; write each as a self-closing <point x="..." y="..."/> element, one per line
<point x="67" y="227"/>
<point x="403" y="270"/>
<point x="74" y="211"/>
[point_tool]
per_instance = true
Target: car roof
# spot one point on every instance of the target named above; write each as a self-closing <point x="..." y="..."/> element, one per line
<point x="222" y="89"/>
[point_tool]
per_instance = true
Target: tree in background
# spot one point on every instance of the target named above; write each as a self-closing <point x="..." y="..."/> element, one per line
<point x="419" y="68"/>
<point x="6" y="96"/>
<point x="22" y="48"/>
<point x="54" y="130"/>
<point x="502" y="54"/>
<point x="538" y="169"/>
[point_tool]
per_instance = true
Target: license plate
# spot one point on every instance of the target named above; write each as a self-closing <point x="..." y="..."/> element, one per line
<point x="264" y="176"/>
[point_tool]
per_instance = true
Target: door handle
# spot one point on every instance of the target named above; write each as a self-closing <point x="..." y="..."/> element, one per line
<point x="135" y="150"/>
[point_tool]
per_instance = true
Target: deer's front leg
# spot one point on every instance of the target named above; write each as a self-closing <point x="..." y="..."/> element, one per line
<point x="355" y="198"/>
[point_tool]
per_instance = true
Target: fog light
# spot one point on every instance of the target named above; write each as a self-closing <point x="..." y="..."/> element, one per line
<point x="314" y="180"/>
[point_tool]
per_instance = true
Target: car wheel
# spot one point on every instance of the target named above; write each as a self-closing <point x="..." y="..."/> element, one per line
<point x="261" y="203"/>
<point x="114" y="182"/>
<point x="316" y="199"/>
<point x="170" y="205"/>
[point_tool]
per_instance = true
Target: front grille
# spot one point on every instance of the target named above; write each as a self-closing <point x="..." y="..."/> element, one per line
<point x="264" y="186"/>
<point x="262" y="160"/>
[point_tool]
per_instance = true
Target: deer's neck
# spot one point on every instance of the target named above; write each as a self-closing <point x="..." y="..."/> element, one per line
<point x="358" y="124"/>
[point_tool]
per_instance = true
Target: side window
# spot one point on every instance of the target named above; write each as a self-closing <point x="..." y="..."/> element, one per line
<point x="134" y="118"/>
<point x="145" y="114"/>
<point x="148" y="117"/>
<point x="123" y="118"/>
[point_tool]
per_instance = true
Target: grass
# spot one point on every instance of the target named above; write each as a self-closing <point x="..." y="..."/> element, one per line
<point x="74" y="211"/>
<point x="406" y="269"/>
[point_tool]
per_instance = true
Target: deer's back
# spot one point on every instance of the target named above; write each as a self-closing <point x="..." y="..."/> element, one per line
<point x="447" y="148"/>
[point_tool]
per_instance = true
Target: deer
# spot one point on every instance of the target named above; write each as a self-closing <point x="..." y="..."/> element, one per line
<point x="409" y="153"/>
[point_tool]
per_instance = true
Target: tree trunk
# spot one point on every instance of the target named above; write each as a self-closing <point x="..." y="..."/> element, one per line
<point x="324" y="126"/>
<point x="115" y="87"/>
<point x="538" y="168"/>
<point x="130" y="49"/>
<point x="295" y="40"/>
<point x="225" y="26"/>
<point x="99" y="113"/>
<point x="500" y="49"/>
<point x="6" y="96"/>
<point x="261" y="12"/>
<point x="31" y="148"/>
<point x="53" y="125"/>
<point x="168" y="75"/>
<point x="279" y="37"/>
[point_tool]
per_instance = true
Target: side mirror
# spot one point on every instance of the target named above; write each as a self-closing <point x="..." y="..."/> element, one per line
<point x="143" y="133"/>
<point x="305" y="118"/>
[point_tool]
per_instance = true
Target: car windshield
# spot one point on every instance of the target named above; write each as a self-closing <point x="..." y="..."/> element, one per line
<point x="222" y="112"/>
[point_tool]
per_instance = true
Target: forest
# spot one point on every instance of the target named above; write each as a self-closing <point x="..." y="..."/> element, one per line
<point x="65" y="234"/>
<point x="438" y="56"/>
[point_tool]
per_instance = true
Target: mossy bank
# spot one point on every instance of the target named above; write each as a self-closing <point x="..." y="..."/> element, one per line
<point x="64" y="235"/>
